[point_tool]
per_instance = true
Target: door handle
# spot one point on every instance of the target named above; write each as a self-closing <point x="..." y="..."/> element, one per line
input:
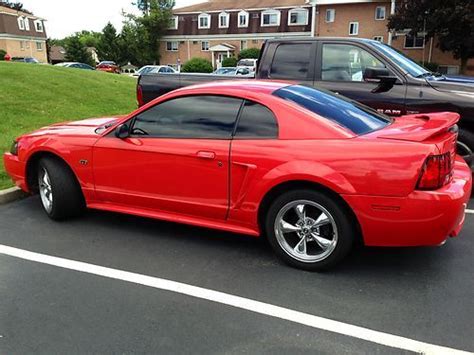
<point x="206" y="154"/>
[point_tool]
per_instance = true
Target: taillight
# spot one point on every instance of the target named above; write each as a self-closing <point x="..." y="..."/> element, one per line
<point x="140" y="96"/>
<point x="436" y="172"/>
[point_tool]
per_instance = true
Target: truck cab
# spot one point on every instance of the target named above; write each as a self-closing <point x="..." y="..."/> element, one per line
<point x="374" y="74"/>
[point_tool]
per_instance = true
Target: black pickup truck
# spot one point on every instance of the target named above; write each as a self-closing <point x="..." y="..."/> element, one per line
<point x="367" y="71"/>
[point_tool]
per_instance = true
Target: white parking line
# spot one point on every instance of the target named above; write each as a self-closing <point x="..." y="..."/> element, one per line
<point x="310" y="320"/>
<point x="470" y="211"/>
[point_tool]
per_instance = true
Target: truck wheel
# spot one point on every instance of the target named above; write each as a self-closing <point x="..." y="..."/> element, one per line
<point x="309" y="230"/>
<point x="61" y="195"/>
<point x="465" y="144"/>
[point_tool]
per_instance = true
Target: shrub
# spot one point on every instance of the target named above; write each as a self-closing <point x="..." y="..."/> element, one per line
<point x="249" y="53"/>
<point x="2" y="54"/>
<point x="430" y="66"/>
<point x="197" y="65"/>
<point x="229" y="62"/>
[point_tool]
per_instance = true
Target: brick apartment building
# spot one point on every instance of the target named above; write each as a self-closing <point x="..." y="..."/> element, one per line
<point x="22" y="34"/>
<point x="219" y="28"/>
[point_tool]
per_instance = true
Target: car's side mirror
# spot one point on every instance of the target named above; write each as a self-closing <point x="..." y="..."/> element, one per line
<point x="122" y="131"/>
<point x="381" y="76"/>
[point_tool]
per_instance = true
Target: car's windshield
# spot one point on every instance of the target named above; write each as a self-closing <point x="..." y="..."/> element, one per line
<point x="357" y="118"/>
<point x="410" y="66"/>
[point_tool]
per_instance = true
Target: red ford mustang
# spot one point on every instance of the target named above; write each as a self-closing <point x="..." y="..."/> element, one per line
<point x="310" y="170"/>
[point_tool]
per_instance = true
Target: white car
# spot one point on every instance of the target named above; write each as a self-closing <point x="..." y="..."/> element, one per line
<point x="154" y="69"/>
<point x="250" y="64"/>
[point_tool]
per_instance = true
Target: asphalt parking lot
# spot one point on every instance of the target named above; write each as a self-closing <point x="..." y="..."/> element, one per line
<point x="422" y="294"/>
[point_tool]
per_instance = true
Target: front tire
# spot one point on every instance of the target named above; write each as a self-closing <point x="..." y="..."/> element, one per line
<point x="61" y="195"/>
<point x="309" y="229"/>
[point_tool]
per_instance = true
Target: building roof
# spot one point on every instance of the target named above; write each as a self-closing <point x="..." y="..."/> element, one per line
<point x="219" y="5"/>
<point x="57" y="53"/>
<point x="4" y="9"/>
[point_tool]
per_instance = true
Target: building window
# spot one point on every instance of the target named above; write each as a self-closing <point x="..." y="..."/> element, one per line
<point x="204" y="21"/>
<point x="380" y="13"/>
<point x="172" y="46"/>
<point x="39" y="46"/>
<point x="270" y="18"/>
<point x="21" y="23"/>
<point x="27" y="24"/>
<point x="22" y="45"/>
<point x="353" y="28"/>
<point x="414" y="41"/>
<point x="298" y="17"/>
<point x="205" y="46"/>
<point x="39" y="26"/>
<point x="243" y="19"/>
<point x="243" y="45"/>
<point x="449" y="69"/>
<point x="255" y="41"/>
<point x="173" y="23"/>
<point x="223" y="20"/>
<point x="330" y="15"/>
<point x="378" y="38"/>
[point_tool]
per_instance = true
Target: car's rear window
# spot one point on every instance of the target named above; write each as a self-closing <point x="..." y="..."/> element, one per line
<point x="357" y="118"/>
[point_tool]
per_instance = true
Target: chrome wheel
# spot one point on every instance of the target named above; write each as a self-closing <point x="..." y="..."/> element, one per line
<point x="45" y="190"/>
<point x="306" y="231"/>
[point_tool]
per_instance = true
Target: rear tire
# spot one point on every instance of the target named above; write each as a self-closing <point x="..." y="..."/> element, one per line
<point x="61" y="195"/>
<point x="309" y="229"/>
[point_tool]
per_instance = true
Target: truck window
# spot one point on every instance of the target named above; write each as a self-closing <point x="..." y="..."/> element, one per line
<point x="291" y="61"/>
<point x="345" y="62"/>
<point x="256" y="121"/>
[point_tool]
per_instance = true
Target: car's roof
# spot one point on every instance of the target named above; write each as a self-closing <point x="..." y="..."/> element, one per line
<point x="263" y="86"/>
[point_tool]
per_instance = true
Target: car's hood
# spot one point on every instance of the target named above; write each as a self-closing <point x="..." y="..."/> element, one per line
<point x="459" y="84"/>
<point x="91" y="126"/>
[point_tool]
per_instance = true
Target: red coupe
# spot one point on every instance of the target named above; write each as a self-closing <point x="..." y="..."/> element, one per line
<point x="108" y="67"/>
<point x="312" y="171"/>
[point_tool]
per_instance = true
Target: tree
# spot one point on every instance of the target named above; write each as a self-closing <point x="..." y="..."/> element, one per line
<point x="249" y="53"/>
<point x="77" y="52"/>
<point x="197" y="65"/>
<point x="152" y="25"/>
<point x="108" y="44"/>
<point x="450" y="21"/>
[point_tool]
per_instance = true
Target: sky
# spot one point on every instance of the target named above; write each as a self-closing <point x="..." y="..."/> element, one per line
<point x="65" y="17"/>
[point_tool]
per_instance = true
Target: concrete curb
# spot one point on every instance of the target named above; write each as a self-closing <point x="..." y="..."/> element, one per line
<point x="11" y="194"/>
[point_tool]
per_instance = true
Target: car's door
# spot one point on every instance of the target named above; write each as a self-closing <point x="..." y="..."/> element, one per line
<point x="176" y="158"/>
<point x="340" y="67"/>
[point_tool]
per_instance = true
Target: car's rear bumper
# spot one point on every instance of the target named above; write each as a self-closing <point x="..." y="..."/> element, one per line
<point x="422" y="218"/>
<point x="16" y="169"/>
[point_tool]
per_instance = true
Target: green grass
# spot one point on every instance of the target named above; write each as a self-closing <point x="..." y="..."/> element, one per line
<point x="33" y="96"/>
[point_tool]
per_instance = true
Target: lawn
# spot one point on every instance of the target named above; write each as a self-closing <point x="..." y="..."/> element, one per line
<point x="32" y="96"/>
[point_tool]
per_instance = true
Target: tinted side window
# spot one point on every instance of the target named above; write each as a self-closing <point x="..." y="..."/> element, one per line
<point x="256" y="121"/>
<point x="291" y="61"/>
<point x="344" y="62"/>
<point x="189" y="117"/>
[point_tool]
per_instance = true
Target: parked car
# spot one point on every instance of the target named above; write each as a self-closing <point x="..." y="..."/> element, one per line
<point x="29" y="60"/>
<point x="364" y="70"/>
<point x="232" y="71"/>
<point x="75" y="65"/>
<point x="312" y="171"/>
<point x="147" y="69"/>
<point x="109" y="67"/>
<point x="250" y="64"/>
